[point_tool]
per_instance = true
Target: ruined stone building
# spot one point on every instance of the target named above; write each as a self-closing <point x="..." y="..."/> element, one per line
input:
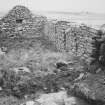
<point x="21" y="27"/>
<point x="21" y="21"/>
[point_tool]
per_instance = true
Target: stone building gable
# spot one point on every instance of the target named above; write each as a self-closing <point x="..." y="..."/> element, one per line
<point x="21" y="22"/>
<point x="18" y="12"/>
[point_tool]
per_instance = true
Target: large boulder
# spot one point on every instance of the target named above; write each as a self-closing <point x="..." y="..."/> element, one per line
<point x="92" y="89"/>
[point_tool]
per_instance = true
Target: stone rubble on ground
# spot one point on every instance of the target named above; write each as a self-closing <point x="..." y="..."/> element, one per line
<point x="59" y="98"/>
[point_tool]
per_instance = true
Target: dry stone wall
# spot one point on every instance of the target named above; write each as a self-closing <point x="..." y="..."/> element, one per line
<point x="20" y="21"/>
<point x="71" y="38"/>
<point x="20" y="27"/>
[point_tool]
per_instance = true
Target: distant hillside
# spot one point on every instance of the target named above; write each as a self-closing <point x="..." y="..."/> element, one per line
<point x="94" y="20"/>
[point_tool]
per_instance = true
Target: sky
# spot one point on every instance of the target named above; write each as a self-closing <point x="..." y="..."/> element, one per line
<point x="97" y="6"/>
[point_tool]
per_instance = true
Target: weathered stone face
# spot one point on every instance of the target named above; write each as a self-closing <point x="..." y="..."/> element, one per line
<point x="92" y="87"/>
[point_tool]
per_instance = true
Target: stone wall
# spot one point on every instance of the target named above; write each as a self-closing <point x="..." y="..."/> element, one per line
<point x="71" y="38"/>
<point x="21" y="22"/>
<point x="21" y="28"/>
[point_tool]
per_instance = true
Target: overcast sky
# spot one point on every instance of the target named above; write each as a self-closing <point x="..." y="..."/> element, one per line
<point x="97" y="6"/>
